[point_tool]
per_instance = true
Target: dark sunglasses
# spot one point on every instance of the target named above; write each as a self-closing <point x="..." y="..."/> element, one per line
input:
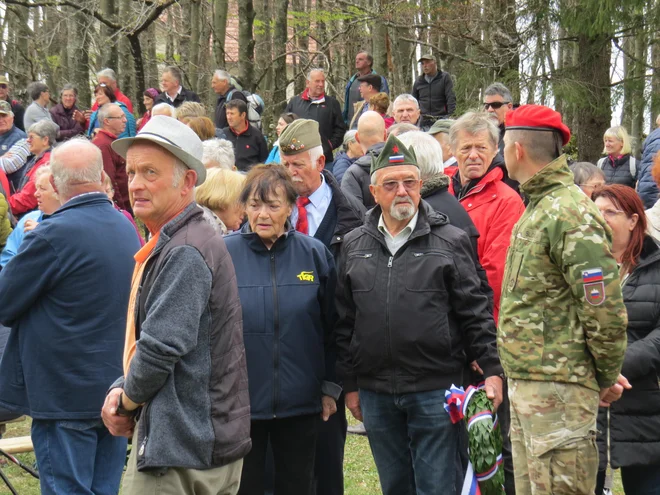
<point x="496" y="105"/>
<point x="3" y="86"/>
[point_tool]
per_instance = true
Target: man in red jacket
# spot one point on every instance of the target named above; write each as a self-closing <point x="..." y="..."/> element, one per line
<point x="113" y="122"/>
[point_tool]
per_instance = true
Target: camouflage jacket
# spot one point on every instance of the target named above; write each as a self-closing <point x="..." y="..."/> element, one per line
<point x="562" y="316"/>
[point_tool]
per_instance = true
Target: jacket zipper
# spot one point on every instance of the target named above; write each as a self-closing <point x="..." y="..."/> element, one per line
<point x="144" y="417"/>
<point x="387" y="321"/>
<point x="276" y="335"/>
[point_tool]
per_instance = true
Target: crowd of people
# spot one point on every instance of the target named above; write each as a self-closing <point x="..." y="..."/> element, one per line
<point x="174" y="280"/>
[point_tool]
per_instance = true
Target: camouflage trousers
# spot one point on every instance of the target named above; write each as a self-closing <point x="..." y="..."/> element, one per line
<point x="553" y="437"/>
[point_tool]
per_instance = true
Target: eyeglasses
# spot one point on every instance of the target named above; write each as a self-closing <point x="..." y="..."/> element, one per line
<point x="3" y="86"/>
<point x="496" y="105"/>
<point x="611" y="213"/>
<point x="122" y="117"/>
<point x="393" y="185"/>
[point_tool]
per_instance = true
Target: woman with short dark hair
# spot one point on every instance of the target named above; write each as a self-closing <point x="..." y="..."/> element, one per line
<point x="629" y="430"/>
<point x="104" y="94"/>
<point x="67" y="115"/>
<point x="38" y="109"/>
<point x="286" y="282"/>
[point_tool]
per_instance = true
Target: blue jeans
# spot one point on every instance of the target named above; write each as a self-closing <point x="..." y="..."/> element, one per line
<point x="78" y="457"/>
<point x="413" y="441"/>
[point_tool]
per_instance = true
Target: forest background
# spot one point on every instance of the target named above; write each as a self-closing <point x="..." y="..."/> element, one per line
<point x="596" y="61"/>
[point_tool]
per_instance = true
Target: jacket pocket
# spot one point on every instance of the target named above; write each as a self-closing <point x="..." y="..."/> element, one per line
<point x="425" y="271"/>
<point x="361" y="270"/>
<point x="513" y="271"/>
<point x="253" y="301"/>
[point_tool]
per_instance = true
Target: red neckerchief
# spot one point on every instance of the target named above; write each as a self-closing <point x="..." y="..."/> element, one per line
<point x="238" y="133"/>
<point x="305" y="95"/>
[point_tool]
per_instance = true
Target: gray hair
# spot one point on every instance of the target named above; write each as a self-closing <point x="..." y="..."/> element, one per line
<point x="405" y="97"/>
<point x="66" y="177"/>
<point x="218" y="152"/>
<point x="45" y="129"/>
<point x="107" y="72"/>
<point x="315" y="69"/>
<point x="69" y="87"/>
<point x="583" y="172"/>
<point x="314" y="154"/>
<point x="35" y="89"/>
<point x="401" y="128"/>
<point x="43" y="170"/>
<point x="349" y="138"/>
<point x="180" y="170"/>
<point x="222" y="75"/>
<point x="474" y="123"/>
<point x="499" y="89"/>
<point x="104" y="112"/>
<point x="163" y="109"/>
<point x="428" y="152"/>
<point x="174" y="72"/>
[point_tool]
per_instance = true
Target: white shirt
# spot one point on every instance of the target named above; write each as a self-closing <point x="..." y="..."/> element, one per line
<point x="177" y="94"/>
<point x="394" y="243"/>
<point x="450" y="162"/>
<point x="319" y="201"/>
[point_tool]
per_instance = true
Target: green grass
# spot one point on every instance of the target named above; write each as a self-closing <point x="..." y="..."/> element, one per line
<point x="360" y="476"/>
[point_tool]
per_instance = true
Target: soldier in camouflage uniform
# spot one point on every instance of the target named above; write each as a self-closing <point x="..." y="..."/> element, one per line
<point x="562" y="322"/>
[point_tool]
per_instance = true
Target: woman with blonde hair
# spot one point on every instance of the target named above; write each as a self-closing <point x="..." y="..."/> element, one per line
<point x="619" y="166"/>
<point x="219" y="198"/>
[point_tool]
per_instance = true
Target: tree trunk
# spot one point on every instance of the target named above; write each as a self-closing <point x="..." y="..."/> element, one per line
<point x="110" y="50"/>
<point x="79" y="55"/>
<point x="637" y="127"/>
<point x="126" y="73"/>
<point x="628" y="84"/>
<point x="281" y="11"/>
<point x="655" y="77"/>
<point x="246" y="16"/>
<point x="219" y="31"/>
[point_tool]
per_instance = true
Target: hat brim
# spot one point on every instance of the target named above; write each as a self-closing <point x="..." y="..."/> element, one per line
<point x="425" y="58"/>
<point x="121" y="147"/>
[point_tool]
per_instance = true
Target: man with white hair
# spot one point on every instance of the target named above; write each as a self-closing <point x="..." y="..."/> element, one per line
<point x="108" y="77"/>
<point x="113" y="122"/>
<point x="164" y="109"/>
<point x="226" y="91"/>
<point x="218" y="153"/>
<point x="405" y="109"/>
<point x="314" y="104"/>
<point x="322" y="211"/>
<point x="409" y="304"/>
<point x="184" y="374"/>
<point x="65" y="296"/>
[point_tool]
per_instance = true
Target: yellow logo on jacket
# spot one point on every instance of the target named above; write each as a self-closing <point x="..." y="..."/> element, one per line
<point x="306" y="276"/>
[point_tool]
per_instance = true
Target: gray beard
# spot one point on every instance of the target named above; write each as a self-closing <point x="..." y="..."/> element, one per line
<point x="402" y="211"/>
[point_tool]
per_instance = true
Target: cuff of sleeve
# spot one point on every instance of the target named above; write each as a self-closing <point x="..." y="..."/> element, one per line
<point x="118" y="383"/>
<point x="331" y="389"/>
<point x="493" y="370"/>
<point x="605" y="381"/>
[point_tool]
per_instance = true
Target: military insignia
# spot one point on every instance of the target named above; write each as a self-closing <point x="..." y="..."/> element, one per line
<point x="592" y="275"/>
<point x="396" y="159"/>
<point x="306" y="276"/>
<point x="594" y="293"/>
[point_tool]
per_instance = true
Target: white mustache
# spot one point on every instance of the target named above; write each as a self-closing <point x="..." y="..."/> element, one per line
<point x="408" y="200"/>
<point x="296" y="179"/>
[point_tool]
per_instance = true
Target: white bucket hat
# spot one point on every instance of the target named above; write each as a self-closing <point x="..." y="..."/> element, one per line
<point x="175" y="137"/>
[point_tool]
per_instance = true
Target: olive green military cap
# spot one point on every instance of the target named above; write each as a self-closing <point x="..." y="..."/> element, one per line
<point x="439" y="126"/>
<point x="300" y="135"/>
<point x="394" y="153"/>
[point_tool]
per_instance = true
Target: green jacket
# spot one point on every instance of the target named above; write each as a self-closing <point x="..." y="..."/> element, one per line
<point x="5" y="224"/>
<point x="562" y="316"/>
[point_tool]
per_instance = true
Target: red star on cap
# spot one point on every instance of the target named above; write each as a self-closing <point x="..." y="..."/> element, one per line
<point x="395" y="149"/>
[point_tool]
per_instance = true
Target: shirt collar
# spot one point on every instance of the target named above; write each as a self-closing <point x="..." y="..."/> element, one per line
<point x="406" y="231"/>
<point x="177" y="94"/>
<point x="317" y="196"/>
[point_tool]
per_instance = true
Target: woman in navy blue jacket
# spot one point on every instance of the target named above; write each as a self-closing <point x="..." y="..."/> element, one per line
<point x="286" y="282"/>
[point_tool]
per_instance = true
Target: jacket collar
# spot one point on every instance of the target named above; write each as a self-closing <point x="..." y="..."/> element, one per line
<point x="170" y="228"/>
<point x="435" y="183"/>
<point x="256" y="244"/>
<point x="427" y="218"/>
<point x="493" y="174"/>
<point x="347" y="218"/>
<point x="650" y="253"/>
<point x="365" y="160"/>
<point x="83" y="200"/>
<point x="554" y="175"/>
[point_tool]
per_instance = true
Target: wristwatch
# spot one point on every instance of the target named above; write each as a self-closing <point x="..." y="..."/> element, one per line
<point x="122" y="411"/>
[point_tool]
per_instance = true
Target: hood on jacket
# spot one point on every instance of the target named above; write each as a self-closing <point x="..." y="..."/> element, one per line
<point x="435" y="183"/>
<point x="365" y="160"/>
<point x="460" y="190"/>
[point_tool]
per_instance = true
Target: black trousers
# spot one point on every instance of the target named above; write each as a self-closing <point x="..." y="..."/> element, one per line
<point x="329" y="468"/>
<point x="293" y="442"/>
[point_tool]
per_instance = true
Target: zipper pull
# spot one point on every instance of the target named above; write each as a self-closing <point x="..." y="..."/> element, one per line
<point x="389" y="262"/>
<point x="144" y="443"/>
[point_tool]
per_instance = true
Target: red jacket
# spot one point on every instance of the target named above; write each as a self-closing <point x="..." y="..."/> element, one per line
<point x="120" y="97"/>
<point x="494" y="208"/>
<point x="24" y="200"/>
<point x="115" y="167"/>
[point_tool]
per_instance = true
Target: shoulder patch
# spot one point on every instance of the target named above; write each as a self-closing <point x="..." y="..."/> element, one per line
<point x="594" y="293"/>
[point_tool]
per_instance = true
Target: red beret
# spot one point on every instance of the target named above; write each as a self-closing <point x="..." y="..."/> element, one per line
<point x="537" y="118"/>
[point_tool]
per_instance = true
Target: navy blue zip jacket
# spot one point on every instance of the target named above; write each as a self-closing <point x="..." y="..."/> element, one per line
<point x="287" y="297"/>
<point x="65" y="297"/>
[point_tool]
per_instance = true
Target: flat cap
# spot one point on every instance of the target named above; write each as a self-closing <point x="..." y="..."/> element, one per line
<point x="427" y="56"/>
<point x="4" y="80"/>
<point x="373" y="79"/>
<point x="537" y="118"/>
<point x="394" y="153"/>
<point x="441" y="125"/>
<point x="299" y="136"/>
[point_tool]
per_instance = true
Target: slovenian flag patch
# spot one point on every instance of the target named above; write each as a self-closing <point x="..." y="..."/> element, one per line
<point x="396" y="159"/>
<point x="592" y="275"/>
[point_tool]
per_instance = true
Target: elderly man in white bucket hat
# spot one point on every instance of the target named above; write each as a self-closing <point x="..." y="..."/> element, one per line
<point x="183" y="396"/>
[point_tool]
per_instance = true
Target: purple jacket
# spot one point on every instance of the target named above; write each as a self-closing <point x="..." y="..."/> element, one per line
<point x="64" y="118"/>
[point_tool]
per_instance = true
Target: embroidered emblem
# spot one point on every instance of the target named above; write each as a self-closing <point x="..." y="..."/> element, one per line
<point x="306" y="276"/>
<point x="592" y="275"/>
<point x="396" y="159"/>
<point x="594" y="293"/>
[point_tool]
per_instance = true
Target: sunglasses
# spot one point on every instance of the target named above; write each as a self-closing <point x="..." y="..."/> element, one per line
<point x="3" y="86"/>
<point x="496" y="105"/>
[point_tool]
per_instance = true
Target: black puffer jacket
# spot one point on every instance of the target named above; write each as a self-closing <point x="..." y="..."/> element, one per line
<point x="357" y="178"/>
<point x="405" y="320"/>
<point x="634" y="420"/>
<point x="617" y="170"/>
